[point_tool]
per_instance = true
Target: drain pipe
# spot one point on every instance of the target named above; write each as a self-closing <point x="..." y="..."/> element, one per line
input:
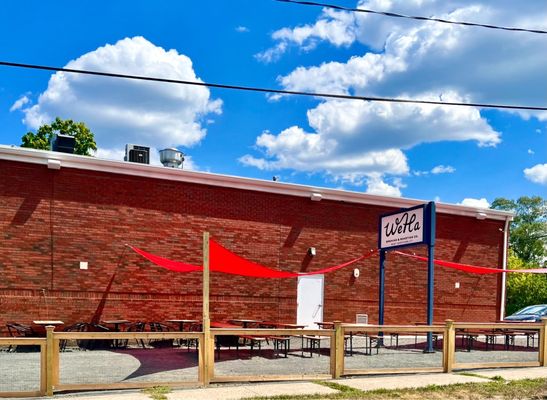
<point x="508" y="219"/>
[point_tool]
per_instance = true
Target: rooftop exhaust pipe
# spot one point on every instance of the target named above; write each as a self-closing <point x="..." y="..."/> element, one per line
<point x="171" y="157"/>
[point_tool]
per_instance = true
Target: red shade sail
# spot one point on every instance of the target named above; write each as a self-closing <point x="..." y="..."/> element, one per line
<point x="166" y="263"/>
<point x="223" y="260"/>
<point x="473" y="269"/>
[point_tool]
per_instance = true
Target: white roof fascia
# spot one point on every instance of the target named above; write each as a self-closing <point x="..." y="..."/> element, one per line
<point x="33" y="156"/>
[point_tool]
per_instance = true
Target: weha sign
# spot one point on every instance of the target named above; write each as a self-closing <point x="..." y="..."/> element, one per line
<point x="408" y="227"/>
<point x="403" y="228"/>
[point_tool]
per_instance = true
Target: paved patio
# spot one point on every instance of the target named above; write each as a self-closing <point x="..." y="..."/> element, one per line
<point x="19" y="371"/>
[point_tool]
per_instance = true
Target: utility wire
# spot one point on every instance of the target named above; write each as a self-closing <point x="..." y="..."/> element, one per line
<point x="396" y="15"/>
<point x="267" y="90"/>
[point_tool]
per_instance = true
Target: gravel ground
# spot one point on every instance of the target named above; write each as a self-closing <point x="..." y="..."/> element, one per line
<point x="19" y="371"/>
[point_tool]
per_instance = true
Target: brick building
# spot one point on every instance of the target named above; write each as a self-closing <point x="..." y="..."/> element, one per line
<point x="60" y="211"/>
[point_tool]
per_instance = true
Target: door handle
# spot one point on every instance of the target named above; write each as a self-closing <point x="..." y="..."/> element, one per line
<point x="317" y="310"/>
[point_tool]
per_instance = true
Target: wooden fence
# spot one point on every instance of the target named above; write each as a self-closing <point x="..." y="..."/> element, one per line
<point x="50" y="350"/>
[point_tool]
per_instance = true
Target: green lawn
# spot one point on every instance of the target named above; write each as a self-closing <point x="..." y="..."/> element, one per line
<point x="497" y="389"/>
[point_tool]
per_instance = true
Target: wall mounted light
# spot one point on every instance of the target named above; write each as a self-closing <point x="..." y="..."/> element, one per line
<point x="356" y="273"/>
<point x="53" y="164"/>
<point x="312" y="251"/>
<point x="316" y="197"/>
<point x="480" y="215"/>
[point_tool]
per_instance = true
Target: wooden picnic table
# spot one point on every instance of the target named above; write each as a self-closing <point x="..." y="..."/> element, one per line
<point x="182" y="322"/>
<point x="280" y="325"/>
<point x="244" y="322"/>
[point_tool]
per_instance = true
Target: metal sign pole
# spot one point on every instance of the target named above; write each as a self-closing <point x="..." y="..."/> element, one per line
<point x="381" y="280"/>
<point x="430" y="211"/>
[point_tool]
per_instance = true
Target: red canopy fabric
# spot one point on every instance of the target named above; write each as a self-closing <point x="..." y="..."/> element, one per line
<point x="473" y="269"/>
<point x="166" y="263"/>
<point x="223" y="260"/>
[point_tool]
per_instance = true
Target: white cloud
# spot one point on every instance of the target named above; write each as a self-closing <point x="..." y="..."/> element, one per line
<point x="477" y="203"/>
<point x="537" y="174"/>
<point x="415" y="57"/>
<point x="259" y="163"/>
<point x="531" y="152"/>
<point x="375" y="185"/>
<point x="242" y="29"/>
<point x="404" y="59"/>
<point x="272" y="54"/>
<point x="19" y="103"/>
<point x="388" y="125"/>
<point x="296" y="149"/>
<point x="352" y="140"/>
<point x="110" y="154"/>
<point x="336" y="27"/>
<point x="189" y="164"/>
<point x="443" y="169"/>
<point x="439" y="169"/>
<point x="121" y="111"/>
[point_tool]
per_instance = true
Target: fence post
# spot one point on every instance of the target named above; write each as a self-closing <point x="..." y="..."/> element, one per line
<point x="543" y="342"/>
<point x="211" y="357"/>
<point x="201" y="359"/>
<point x="55" y="361"/>
<point x="49" y="360"/>
<point x="207" y="366"/>
<point x="449" y="346"/>
<point x="338" y="362"/>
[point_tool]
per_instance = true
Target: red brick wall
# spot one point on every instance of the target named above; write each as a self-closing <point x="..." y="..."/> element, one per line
<point x="51" y="220"/>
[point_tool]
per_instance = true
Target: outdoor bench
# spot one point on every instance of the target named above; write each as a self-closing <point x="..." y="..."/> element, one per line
<point x="312" y="343"/>
<point x="281" y="343"/>
<point x="254" y="341"/>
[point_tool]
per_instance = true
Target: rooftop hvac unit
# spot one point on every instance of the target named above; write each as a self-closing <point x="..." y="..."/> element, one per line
<point x="137" y="154"/>
<point x="361" y="318"/>
<point x="63" y="143"/>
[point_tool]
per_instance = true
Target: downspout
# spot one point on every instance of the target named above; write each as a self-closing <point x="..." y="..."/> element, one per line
<point x="508" y="219"/>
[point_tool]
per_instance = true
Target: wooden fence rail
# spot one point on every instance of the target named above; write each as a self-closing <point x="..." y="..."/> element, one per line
<point x="41" y="390"/>
<point x="50" y="350"/>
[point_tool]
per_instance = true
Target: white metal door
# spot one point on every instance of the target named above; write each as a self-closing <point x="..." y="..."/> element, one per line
<point x="310" y="300"/>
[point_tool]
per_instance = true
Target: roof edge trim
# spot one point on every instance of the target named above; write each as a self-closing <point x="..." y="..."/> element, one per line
<point x="33" y="156"/>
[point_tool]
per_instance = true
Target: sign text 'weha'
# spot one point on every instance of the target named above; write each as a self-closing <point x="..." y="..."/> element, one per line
<point x="403" y="228"/>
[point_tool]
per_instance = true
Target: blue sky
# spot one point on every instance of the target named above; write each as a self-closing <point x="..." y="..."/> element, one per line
<point x="432" y="153"/>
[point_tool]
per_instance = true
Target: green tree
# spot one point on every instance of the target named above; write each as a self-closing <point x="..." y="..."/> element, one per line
<point x="84" y="138"/>
<point x="523" y="289"/>
<point x="528" y="238"/>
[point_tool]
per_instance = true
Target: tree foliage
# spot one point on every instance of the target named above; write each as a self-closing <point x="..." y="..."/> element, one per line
<point x="528" y="238"/>
<point x="524" y="289"/>
<point x="84" y="138"/>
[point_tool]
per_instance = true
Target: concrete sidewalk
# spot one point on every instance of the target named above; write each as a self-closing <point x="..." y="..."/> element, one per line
<point x="246" y="390"/>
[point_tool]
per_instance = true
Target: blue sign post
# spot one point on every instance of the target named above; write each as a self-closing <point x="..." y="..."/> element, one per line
<point x="408" y="227"/>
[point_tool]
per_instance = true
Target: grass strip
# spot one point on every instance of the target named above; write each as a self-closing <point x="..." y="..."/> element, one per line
<point x="158" y="392"/>
<point x="494" y="389"/>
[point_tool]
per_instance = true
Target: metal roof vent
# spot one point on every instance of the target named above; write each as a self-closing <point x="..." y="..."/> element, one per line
<point x="171" y="157"/>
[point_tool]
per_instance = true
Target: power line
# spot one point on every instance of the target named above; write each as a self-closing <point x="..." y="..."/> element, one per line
<point x="396" y="15"/>
<point x="267" y="90"/>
